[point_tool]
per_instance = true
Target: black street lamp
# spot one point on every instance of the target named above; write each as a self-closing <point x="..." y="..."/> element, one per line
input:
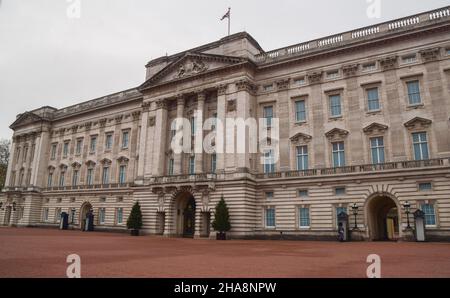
<point x="355" y="213"/>
<point x="407" y="207"/>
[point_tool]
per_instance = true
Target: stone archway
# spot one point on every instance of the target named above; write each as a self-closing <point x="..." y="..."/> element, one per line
<point x="85" y="208"/>
<point x="185" y="214"/>
<point x="383" y="218"/>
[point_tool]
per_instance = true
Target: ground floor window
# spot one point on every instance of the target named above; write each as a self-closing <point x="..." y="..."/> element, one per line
<point x="119" y="216"/>
<point x="339" y="210"/>
<point x="45" y="214"/>
<point x="304" y="218"/>
<point x="101" y="215"/>
<point x="270" y="217"/>
<point x="57" y="214"/>
<point x="72" y="215"/>
<point x="430" y="214"/>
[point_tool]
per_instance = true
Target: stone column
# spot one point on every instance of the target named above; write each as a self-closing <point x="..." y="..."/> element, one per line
<point x="282" y="113"/>
<point x="143" y="142"/>
<point x="178" y="168"/>
<point x="220" y="129"/>
<point x="159" y="139"/>
<point x="199" y="133"/>
<point x="12" y="164"/>
<point x="41" y="157"/>
<point x="243" y="107"/>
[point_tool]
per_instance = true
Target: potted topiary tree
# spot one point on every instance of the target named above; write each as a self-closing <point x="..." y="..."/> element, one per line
<point x="221" y="221"/>
<point x="134" y="222"/>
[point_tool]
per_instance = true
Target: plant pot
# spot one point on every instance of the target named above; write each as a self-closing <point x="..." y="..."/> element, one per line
<point x="221" y="236"/>
<point x="134" y="232"/>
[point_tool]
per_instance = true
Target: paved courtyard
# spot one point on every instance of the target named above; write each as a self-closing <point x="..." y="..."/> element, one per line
<point x="43" y="252"/>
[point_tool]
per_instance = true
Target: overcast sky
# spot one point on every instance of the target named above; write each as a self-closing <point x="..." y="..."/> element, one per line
<point x="50" y="57"/>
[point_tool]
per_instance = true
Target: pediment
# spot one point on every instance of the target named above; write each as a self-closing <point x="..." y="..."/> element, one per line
<point x="190" y="65"/>
<point x="301" y="138"/>
<point x="375" y="128"/>
<point x="336" y="133"/>
<point x="25" y="119"/>
<point x="418" y="123"/>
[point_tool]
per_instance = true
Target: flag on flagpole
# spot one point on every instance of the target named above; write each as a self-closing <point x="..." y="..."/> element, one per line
<point x="227" y="15"/>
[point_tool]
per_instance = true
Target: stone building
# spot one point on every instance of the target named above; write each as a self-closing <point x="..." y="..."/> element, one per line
<point x="363" y="118"/>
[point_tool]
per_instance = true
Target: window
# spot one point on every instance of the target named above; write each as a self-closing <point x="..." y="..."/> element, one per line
<point x="302" y="158"/>
<point x="425" y="187"/>
<point x="304" y="217"/>
<point x="303" y="193"/>
<point x="300" y="81"/>
<point x="108" y="142"/>
<point x="171" y="164"/>
<point x="62" y="178"/>
<point x="268" y="87"/>
<point x="90" y="177"/>
<point x="213" y="163"/>
<point x="333" y="74"/>
<point x="79" y="147"/>
<point x="65" y="149"/>
<point x="430" y="214"/>
<point x="414" y="92"/>
<point x="300" y="111"/>
<point x="50" y="180"/>
<point x="45" y="215"/>
<point x="214" y="122"/>
<point x="409" y="59"/>
<point x="53" y="151"/>
<point x="447" y="51"/>
<point x="377" y="150"/>
<point x="75" y="177"/>
<point x="339" y="191"/>
<point x="335" y="105"/>
<point x="125" y="139"/>
<point x="192" y="165"/>
<point x="173" y="129"/>
<point x="193" y="126"/>
<point x="101" y="215"/>
<point x="122" y="174"/>
<point x="119" y="216"/>
<point x="270" y="217"/>
<point x="268" y="116"/>
<point x="93" y="146"/>
<point x="339" y="210"/>
<point x="269" y="163"/>
<point x="25" y="154"/>
<point x="102" y="200"/>
<point x="338" y="154"/>
<point x="105" y="176"/>
<point x="269" y="195"/>
<point x="373" y="99"/>
<point x="420" y="145"/>
<point x="72" y="215"/>
<point x="369" y="66"/>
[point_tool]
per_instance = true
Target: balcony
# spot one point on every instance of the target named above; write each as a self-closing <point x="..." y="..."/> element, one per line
<point x="89" y="187"/>
<point x="203" y="177"/>
<point x="372" y="168"/>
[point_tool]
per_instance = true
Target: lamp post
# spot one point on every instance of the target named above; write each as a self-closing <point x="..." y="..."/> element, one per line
<point x="407" y="207"/>
<point x="355" y="213"/>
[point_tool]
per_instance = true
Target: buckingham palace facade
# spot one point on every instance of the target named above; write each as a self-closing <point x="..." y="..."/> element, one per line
<point x="362" y="127"/>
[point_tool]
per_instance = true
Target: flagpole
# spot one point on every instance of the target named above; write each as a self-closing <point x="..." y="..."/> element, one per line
<point x="229" y="20"/>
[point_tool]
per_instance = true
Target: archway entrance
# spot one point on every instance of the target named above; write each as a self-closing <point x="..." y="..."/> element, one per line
<point x="85" y="208"/>
<point x="185" y="219"/>
<point x="383" y="216"/>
